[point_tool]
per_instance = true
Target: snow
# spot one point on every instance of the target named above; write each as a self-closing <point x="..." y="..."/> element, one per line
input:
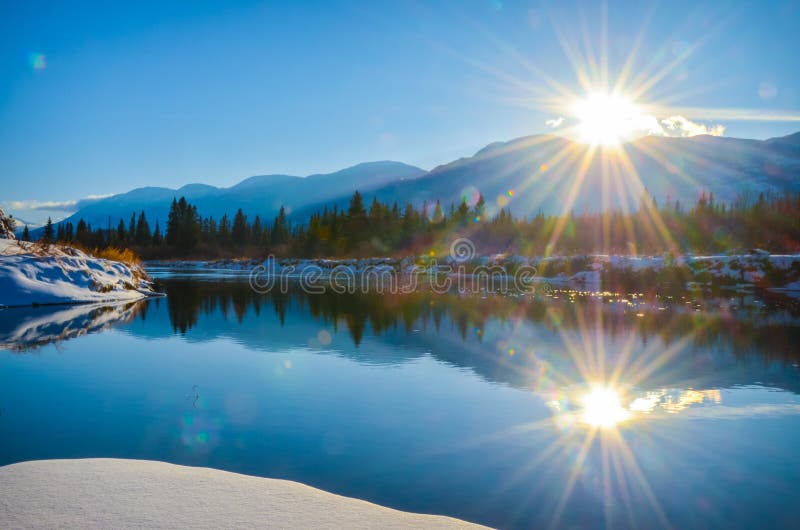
<point x="113" y="493"/>
<point x="750" y="268"/>
<point x="31" y="274"/>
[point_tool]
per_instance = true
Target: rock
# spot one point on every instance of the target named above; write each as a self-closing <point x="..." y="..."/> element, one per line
<point x="7" y="225"/>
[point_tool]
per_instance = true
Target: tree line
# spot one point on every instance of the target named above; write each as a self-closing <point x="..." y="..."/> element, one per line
<point x="770" y="222"/>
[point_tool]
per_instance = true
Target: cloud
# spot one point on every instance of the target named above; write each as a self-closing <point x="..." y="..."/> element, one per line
<point x="555" y="122"/>
<point x="58" y="206"/>
<point x="55" y="206"/>
<point x="682" y="127"/>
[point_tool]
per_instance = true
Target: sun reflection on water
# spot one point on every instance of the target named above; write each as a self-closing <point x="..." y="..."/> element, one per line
<point x="602" y="407"/>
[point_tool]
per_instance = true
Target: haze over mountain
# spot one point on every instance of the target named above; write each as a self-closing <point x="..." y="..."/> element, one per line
<point x="536" y="173"/>
<point x="552" y="174"/>
<point x="259" y="195"/>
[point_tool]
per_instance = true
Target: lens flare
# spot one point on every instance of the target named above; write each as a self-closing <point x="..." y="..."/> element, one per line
<point x="37" y="61"/>
<point x="608" y="119"/>
<point x="602" y="407"/>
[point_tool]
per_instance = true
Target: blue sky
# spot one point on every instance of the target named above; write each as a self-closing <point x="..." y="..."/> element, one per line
<point x="99" y="98"/>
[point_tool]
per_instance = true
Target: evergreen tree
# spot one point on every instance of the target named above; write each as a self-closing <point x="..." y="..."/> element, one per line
<point x="240" y="231"/>
<point x="224" y="231"/>
<point x="173" y="224"/>
<point x="462" y="214"/>
<point x="49" y="234"/>
<point x="142" y="231"/>
<point x="157" y="238"/>
<point x="480" y="208"/>
<point x="26" y="235"/>
<point x="131" y="236"/>
<point x="183" y="225"/>
<point x="280" y="229"/>
<point x="438" y="214"/>
<point x="122" y="234"/>
<point x="356" y="220"/>
<point x="256" y="232"/>
<point x="82" y="233"/>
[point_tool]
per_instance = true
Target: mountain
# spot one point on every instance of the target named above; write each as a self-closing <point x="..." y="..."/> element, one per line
<point x="535" y="173"/>
<point x="552" y="174"/>
<point x="260" y="195"/>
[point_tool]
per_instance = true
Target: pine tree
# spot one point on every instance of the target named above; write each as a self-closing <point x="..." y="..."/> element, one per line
<point x="142" y="230"/>
<point x="356" y="220"/>
<point x="157" y="238"/>
<point x="224" y="230"/>
<point x="462" y="214"/>
<point x="82" y="232"/>
<point x="183" y="225"/>
<point x="48" y="231"/>
<point x="122" y="234"/>
<point x="280" y="229"/>
<point x="256" y="232"/>
<point x="240" y="232"/>
<point x="132" y="228"/>
<point x="173" y="224"/>
<point x="26" y="235"/>
<point x="438" y="214"/>
<point x="480" y="208"/>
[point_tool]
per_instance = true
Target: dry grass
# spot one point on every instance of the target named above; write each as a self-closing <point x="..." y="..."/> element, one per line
<point x="123" y="255"/>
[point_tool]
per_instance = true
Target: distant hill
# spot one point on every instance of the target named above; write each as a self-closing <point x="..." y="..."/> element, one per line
<point x="535" y="173"/>
<point x="260" y="195"/>
<point x="553" y="174"/>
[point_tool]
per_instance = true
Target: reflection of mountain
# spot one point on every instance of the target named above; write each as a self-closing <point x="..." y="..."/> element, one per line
<point x="520" y="341"/>
<point x="26" y="328"/>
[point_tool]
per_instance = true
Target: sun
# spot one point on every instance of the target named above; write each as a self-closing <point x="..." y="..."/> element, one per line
<point x="607" y="119"/>
<point x="602" y="407"/>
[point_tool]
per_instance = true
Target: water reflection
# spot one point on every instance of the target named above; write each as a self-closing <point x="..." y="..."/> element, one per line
<point x="575" y="410"/>
<point x="602" y="407"/>
<point x="27" y="328"/>
<point x="539" y="343"/>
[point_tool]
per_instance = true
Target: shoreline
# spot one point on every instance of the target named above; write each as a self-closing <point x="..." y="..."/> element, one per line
<point x="751" y="270"/>
<point x="34" y="276"/>
<point x="118" y="493"/>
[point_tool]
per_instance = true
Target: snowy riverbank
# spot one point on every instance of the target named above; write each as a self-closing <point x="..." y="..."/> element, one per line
<point x="33" y="275"/>
<point x="112" y="493"/>
<point x="747" y="269"/>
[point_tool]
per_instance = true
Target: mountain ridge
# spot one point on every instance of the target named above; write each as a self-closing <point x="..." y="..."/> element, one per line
<point x="257" y="195"/>
<point x="528" y="174"/>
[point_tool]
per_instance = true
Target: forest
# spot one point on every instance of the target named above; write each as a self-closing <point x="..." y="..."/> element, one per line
<point x="771" y="223"/>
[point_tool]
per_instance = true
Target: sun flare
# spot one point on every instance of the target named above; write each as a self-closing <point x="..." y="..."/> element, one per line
<point x="602" y="407"/>
<point x="607" y="119"/>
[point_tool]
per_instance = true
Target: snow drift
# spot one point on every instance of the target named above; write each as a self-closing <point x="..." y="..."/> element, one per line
<point x="32" y="274"/>
<point x="110" y="493"/>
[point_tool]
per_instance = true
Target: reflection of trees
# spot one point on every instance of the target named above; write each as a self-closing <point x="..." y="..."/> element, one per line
<point x="186" y="302"/>
<point x="749" y="329"/>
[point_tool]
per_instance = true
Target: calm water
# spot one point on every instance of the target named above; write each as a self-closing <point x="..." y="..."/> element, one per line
<point x="470" y="406"/>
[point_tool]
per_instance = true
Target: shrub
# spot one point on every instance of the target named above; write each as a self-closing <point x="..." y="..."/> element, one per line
<point x="123" y="255"/>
